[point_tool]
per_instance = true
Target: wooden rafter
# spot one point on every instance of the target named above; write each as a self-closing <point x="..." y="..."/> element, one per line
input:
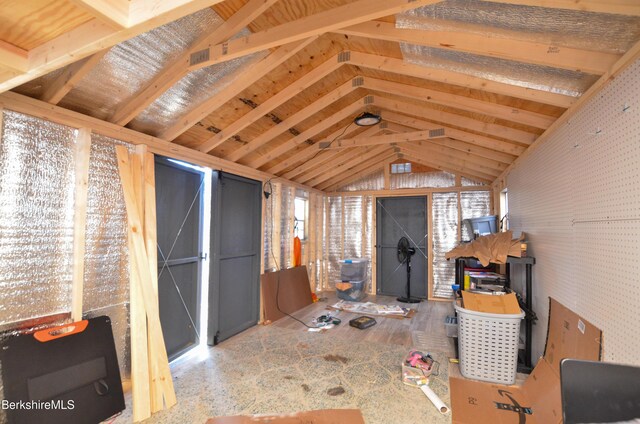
<point x="406" y="116"/>
<point x="359" y="168"/>
<point x="469" y="104"/>
<point x="516" y="50"/>
<point x="177" y="68"/>
<point x="399" y="66"/>
<point x="454" y="169"/>
<point x="435" y="146"/>
<point x="622" y="7"/>
<point x="245" y="78"/>
<point x="360" y="174"/>
<point x="358" y="156"/>
<point x="471" y="163"/>
<point x="309" y="26"/>
<point x="493" y="130"/>
<point x="294" y="119"/>
<point x="112" y="12"/>
<point x="275" y="152"/>
<point x="323" y="157"/>
<point x="13" y="57"/>
<point x="311" y="77"/>
<point x="70" y="77"/>
<point x="95" y="35"/>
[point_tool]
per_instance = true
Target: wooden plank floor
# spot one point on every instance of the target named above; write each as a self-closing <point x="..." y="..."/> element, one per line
<point x="429" y="320"/>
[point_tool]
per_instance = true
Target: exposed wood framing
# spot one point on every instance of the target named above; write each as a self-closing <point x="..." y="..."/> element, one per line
<point x="361" y="171"/>
<point x="399" y="66"/>
<point x="14" y="57"/>
<point x="469" y="104"/>
<point x="112" y="12"/>
<point x="29" y="106"/>
<point x="480" y="140"/>
<point x="305" y="135"/>
<point x="273" y="102"/>
<point x="499" y="131"/>
<point x="96" y="35"/>
<point x="82" y="152"/>
<point x="399" y="192"/>
<point x="517" y="50"/>
<point x="178" y="68"/>
<point x="309" y="26"/>
<point x="468" y="160"/>
<point x="429" y="249"/>
<point x="245" y="78"/>
<point x="70" y="77"/>
<point x="422" y="159"/>
<point x="387" y="177"/>
<point x="355" y="157"/>
<point x="291" y="121"/>
<point x="357" y="167"/>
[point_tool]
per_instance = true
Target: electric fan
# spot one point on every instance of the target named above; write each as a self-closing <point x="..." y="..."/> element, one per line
<point x="405" y="251"/>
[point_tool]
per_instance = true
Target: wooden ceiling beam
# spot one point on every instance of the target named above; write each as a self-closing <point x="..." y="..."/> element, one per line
<point x="469" y="104"/>
<point x="70" y="77"/>
<point x="591" y="62"/>
<point x="360" y="169"/>
<point x="442" y="149"/>
<point x="290" y="91"/>
<point x="500" y="131"/>
<point x="301" y="138"/>
<point x="13" y="57"/>
<point x="95" y="35"/>
<point x="399" y="66"/>
<point x="242" y="80"/>
<point x="112" y="12"/>
<point x="293" y="120"/>
<point x="309" y="26"/>
<point x="453" y="169"/>
<point x="406" y="116"/>
<point x="619" y="7"/>
<point x="358" y="156"/>
<point x="355" y="176"/>
<point x="323" y="157"/>
<point x="463" y="161"/>
<point x="177" y="69"/>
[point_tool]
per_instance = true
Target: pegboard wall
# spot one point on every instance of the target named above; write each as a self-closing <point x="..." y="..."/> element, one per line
<point x="578" y="199"/>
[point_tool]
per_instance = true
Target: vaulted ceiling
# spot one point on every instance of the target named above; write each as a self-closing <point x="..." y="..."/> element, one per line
<point x="463" y="86"/>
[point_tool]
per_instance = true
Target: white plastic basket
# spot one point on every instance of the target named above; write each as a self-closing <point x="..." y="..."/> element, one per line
<point x="488" y="345"/>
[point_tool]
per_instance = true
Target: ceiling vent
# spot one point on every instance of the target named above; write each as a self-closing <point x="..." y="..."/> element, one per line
<point x="368" y="100"/>
<point x="357" y="82"/>
<point x="437" y="133"/>
<point x="199" y="57"/>
<point x="344" y="57"/>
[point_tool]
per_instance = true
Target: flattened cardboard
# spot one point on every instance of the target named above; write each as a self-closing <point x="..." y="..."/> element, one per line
<point x="294" y="292"/>
<point x="322" y="416"/>
<point x="538" y="400"/>
<point x="505" y="304"/>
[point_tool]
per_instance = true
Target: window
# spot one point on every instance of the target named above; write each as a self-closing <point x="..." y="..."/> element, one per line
<point x="401" y="168"/>
<point x="300" y="213"/>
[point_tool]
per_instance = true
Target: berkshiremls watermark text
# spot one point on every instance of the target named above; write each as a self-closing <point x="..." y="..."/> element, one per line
<point x="37" y="404"/>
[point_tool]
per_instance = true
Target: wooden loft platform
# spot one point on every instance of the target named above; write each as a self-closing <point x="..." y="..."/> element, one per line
<point x="320" y="64"/>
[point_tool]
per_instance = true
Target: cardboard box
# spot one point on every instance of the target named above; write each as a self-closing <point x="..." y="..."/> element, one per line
<point x="537" y="401"/>
<point x="505" y="304"/>
<point x="321" y="416"/>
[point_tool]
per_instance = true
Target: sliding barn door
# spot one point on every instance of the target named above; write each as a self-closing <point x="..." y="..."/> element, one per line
<point x="235" y="255"/>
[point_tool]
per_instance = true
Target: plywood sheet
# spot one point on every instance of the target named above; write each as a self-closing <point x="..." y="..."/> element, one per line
<point x="292" y="288"/>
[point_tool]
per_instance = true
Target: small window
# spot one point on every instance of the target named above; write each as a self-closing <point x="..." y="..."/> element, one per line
<point x="300" y="212"/>
<point x="401" y="168"/>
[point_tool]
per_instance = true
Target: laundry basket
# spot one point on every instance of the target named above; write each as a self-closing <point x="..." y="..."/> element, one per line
<point x="488" y="345"/>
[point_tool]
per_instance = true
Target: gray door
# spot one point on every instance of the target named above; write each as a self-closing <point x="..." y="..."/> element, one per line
<point x="179" y="218"/>
<point x="398" y="217"/>
<point x="234" y="291"/>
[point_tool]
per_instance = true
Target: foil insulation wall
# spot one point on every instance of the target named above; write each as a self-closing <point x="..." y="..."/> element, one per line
<point x="270" y="228"/>
<point x="373" y="181"/>
<point x="352" y="227"/>
<point x="367" y="242"/>
<point x="474" y="204"/>
<point x="286" y="222"/>
<point x="558" y="27"/>
<point x="130" y="65"/>
<point x="334" y="241"/>
<point x="466" y="182"/>
<point x="444" y="238"/>
<point x="36" y="217"/>
<point x="422" y="180"/>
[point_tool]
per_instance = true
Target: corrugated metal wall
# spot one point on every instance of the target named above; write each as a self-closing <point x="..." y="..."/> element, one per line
<point x="578" y="198"/>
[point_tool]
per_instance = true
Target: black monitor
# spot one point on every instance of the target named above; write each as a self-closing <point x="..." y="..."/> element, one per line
<point x="599" y="392"/>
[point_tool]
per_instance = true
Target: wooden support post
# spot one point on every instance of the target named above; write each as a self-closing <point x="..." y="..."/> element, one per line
<point x="144" y="280"/>
<point x="342" y="228"/>
<point x="387" y="177"/>
<point x="263" y="265"/>
<point x="374" y="251"/>
<point x="311" y="240"/>
<point x="276" y="232"/>
<point x="140" y="361"/>
<point x="430" y="245"/>
<point x="82" y="152"/>
<point x="325" y="258"/>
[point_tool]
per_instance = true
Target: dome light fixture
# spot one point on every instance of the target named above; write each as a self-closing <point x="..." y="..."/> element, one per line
<point x="367" y="119"/>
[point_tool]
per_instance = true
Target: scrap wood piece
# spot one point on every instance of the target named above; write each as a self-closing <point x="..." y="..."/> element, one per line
<point x="321" y="416"/>
<point x="492" y="248"/>
<point x="293" y="290"/>
<point x="370" y="308"/>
